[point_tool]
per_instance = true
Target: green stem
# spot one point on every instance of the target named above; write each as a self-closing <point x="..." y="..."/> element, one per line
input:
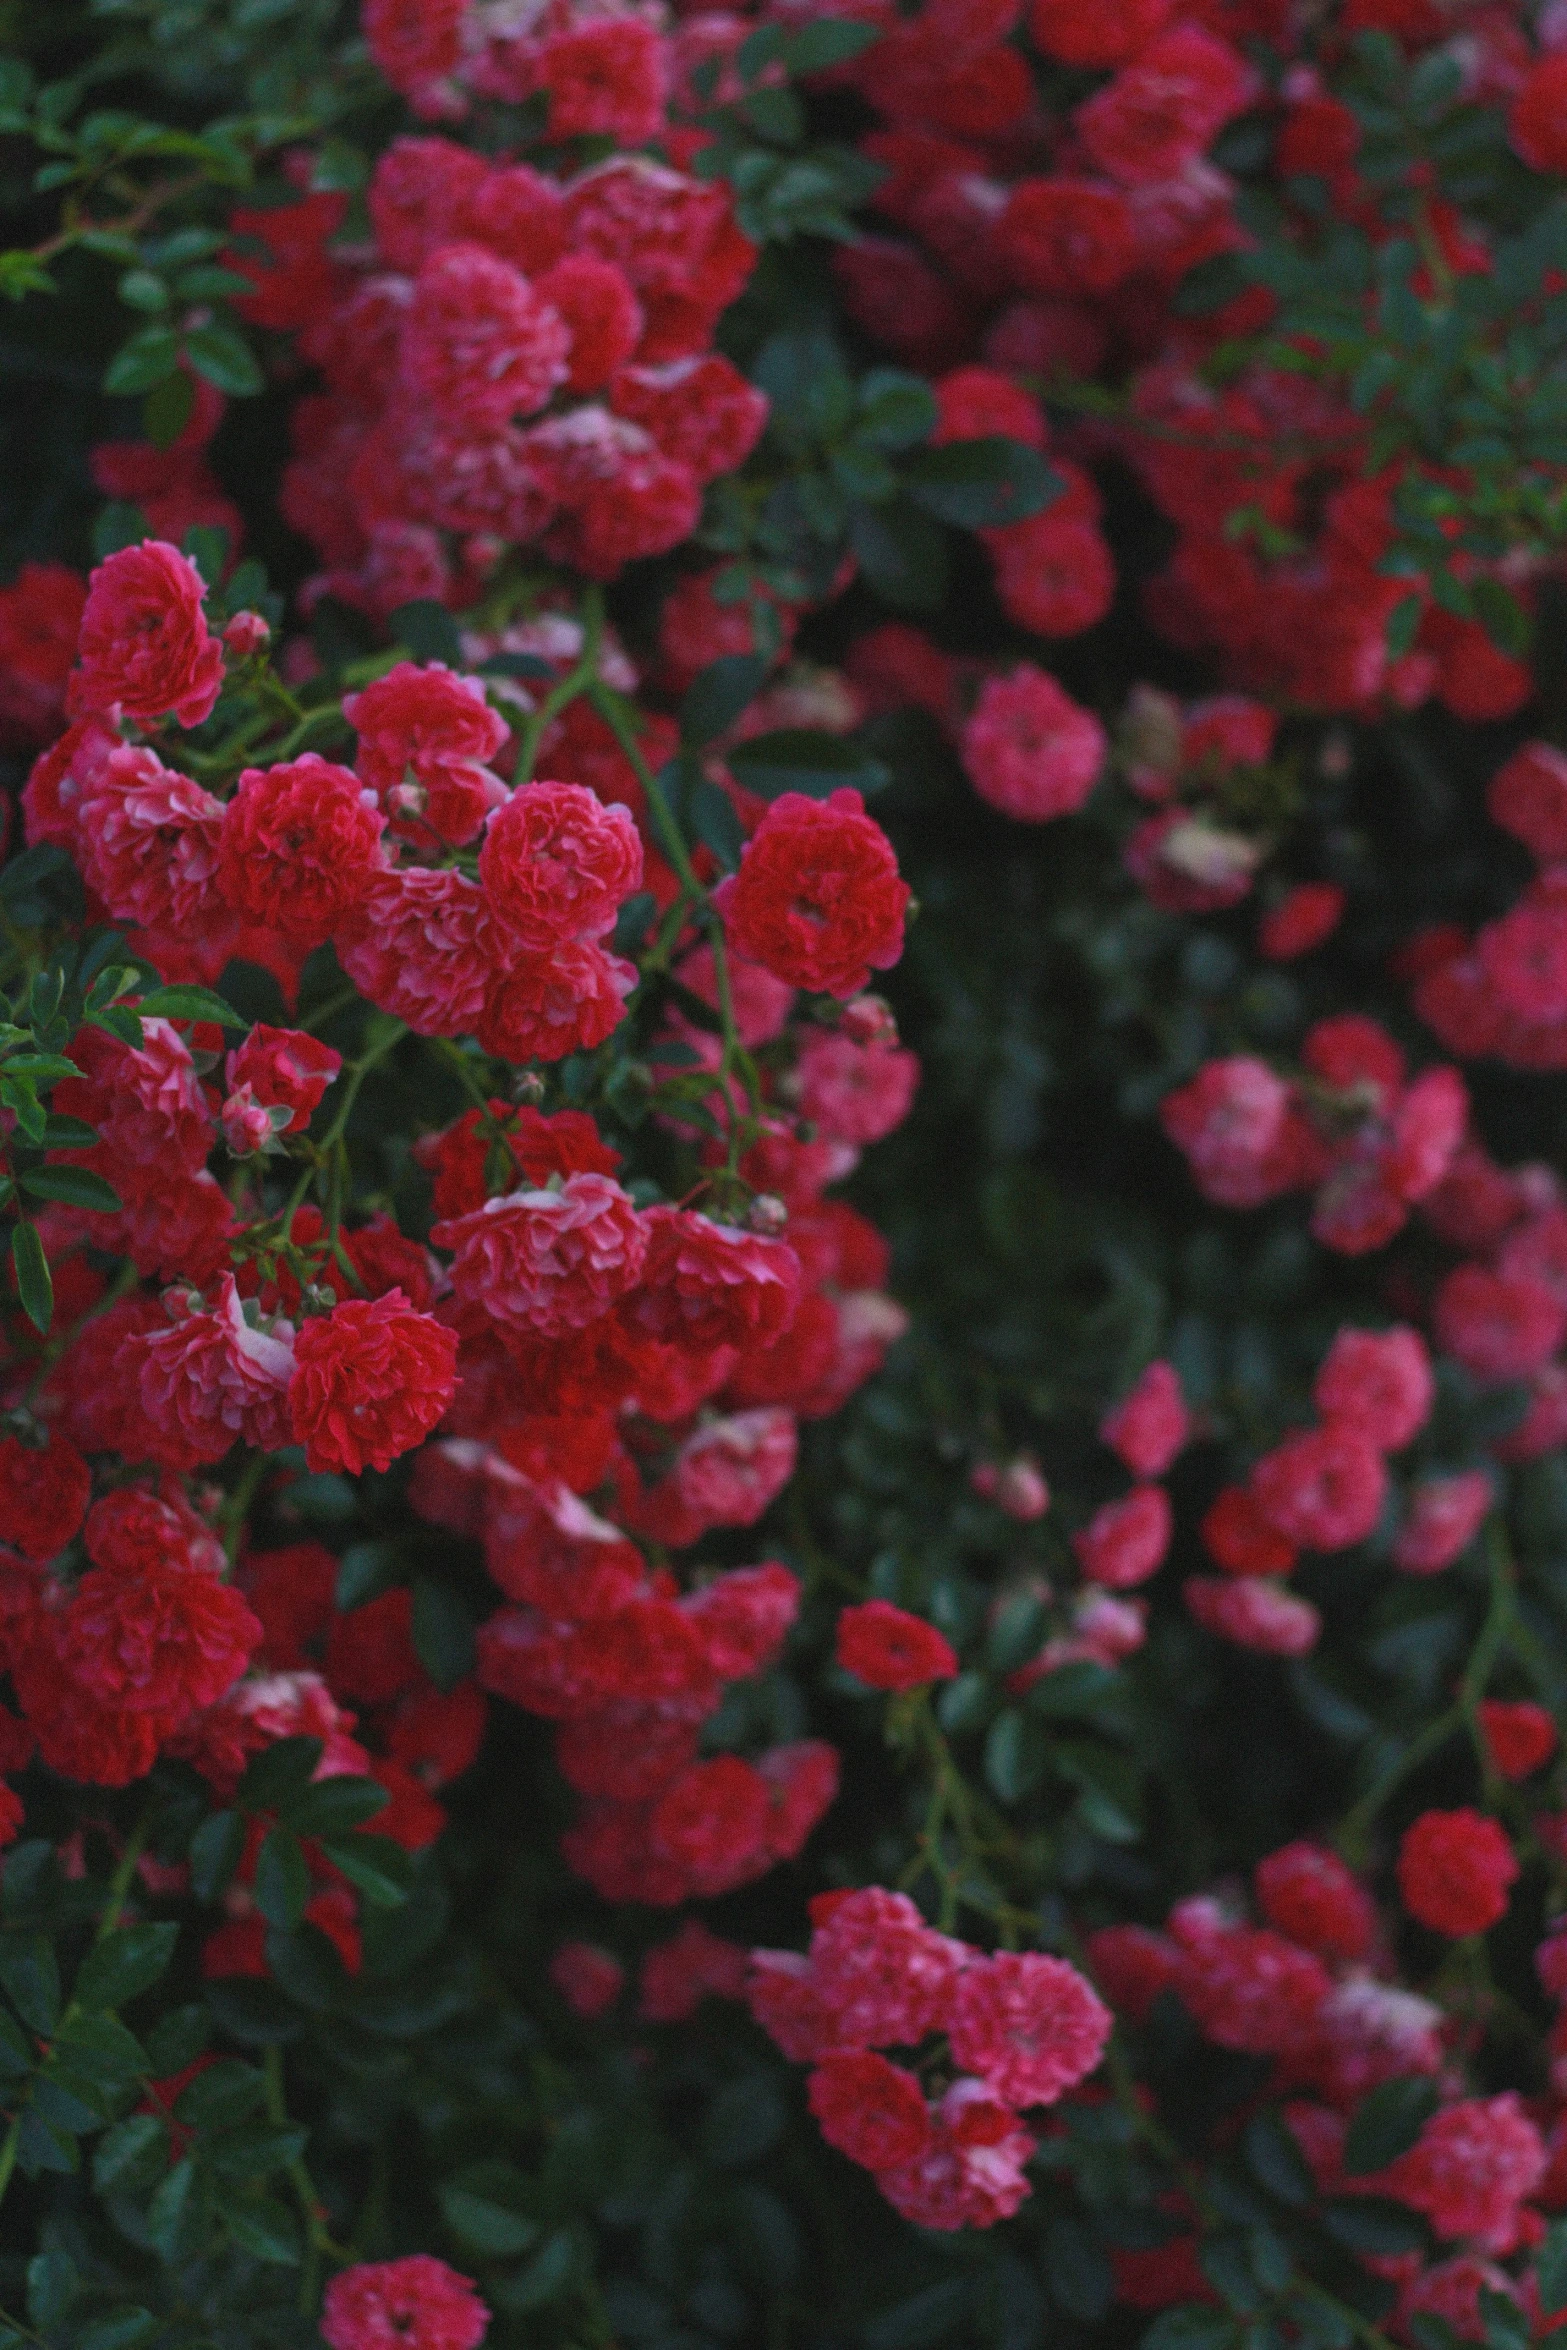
<point x="329" y="1010"/>
<point x="390" y="1038"/>
<point x="612" y="710"/>
<point x="1463" y="1714"/>
<point x="108" y="1920"/>
<point x="232" y="1515"/>
<point x="578" y="681"/>
<point x="322" y="2245"/>
<point x="1357" y="1822"/>
<point x="301" y="733"/>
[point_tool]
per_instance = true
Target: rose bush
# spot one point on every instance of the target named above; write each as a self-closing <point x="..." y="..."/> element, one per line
<point x="784" y="1342"/>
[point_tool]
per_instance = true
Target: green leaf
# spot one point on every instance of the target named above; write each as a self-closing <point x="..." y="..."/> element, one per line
<point x="429" y="632"/>
<point x="120" y="524"/>
<point x="1109" y="1789"/>
<point x="759" y="50"/>
<point x="40" y="886"/>
<point x="176" y="2040"/>
<point x="1322" y="2325"/>
<point x="1373" y="2224"/>
<point x="1191" y="2326"/>
<point x="712" y="817"/>
<point x="190" y="1003"/>
<point x="980" y="484"/>
<point x="1387" y="2123"/>
<point x="1016" y="1754"/>
<point x="1210" y="286"/>
<point x="258" y="2150"/>
<point x="167" y="409"/>
<point x="29" y="1877"/>
<point x="922" y="2321"/>
<point x="125" y="2329"/>
<point x="220" y="2098"/>
<point x="306" y="1967"/>
<point x="221" y="353"/>
<point x="45" y="2145"/>
<point x="544" y="2279"/>
<point x="1016" y="1630"/>
<point x="207" y="545"/>
<point x="52" y="2285"/>
<point x="210" y="282"/>
<point x="21" y="272"/>
<point x="18" y="1097"/>
<point x="124" y="1963"/>
<point x="1080" y="1691"/>
<point x="337" y="1806"/>
<point x="514" y="665"/>
<point x="964" y="1704"/>
<point x="40" y="1068"/>
<point x="486" y="2204"/>
<point x="31" y="1980"/>
<point x="149" y="356"/>
<point x="1506" y="621"/>
<point x="896" y="410"/>
<point x="717" y="697"/>
<point x="279" y="1774"/>
<point x="215" y="1853"/>
<point x="381" y="1869"/>
<point x="798" y="759"/>
<point x="1506" y="2325"/>
<point x="1077" y="2271"/>
<point x="17" y="2053"/>
<point x="131" y="2155"/>
<point x="1226" y="2263"/>
<point x="743" y="2122"/>
<point x="364" y="1570"/>
<point x="1550" y="2268"/>
<point x="633" y="921"/>
<point x="1403" y="626"/>
<point x="79" y="1187"/>
<point x="442" y="1632"/>
<point x="264" y="2228"/>
<point x="1274" y="2158"/>
<point x="100" y="2045"/>
<point x="282" y="1880"/>
<point x="902" y="554"/>
<point x="324" y="1500"/>
<point x="828" y="41"/>
<point x="169" y="2209"/>
<point x="143" y="289"/>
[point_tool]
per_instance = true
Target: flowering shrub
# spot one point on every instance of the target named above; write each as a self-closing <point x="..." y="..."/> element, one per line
<point x="784" y="1333"/>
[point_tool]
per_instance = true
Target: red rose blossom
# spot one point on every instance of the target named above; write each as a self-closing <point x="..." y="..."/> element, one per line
<point x="817" y="900"/>
<point x="370" y="1381"/>
<point x="888" y="1648"/>
<point x="412" y="2304"/>
<point x="299" y="847"/>
<point x="1454" y="1871"/>
<point x="145" y="647"/>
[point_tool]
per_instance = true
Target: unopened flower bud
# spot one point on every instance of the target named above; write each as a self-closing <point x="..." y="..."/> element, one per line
<point x="246" y="635"/>
<point x="1150" y="741"/>
<point x="1015" y="1486"/>
<point x="1336" y="756"/>
<point x="869" y="1020"/>
<point x="247" y="1123"/>
<point x="1205" y="854"/>
<point x="767" y="1214"/>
